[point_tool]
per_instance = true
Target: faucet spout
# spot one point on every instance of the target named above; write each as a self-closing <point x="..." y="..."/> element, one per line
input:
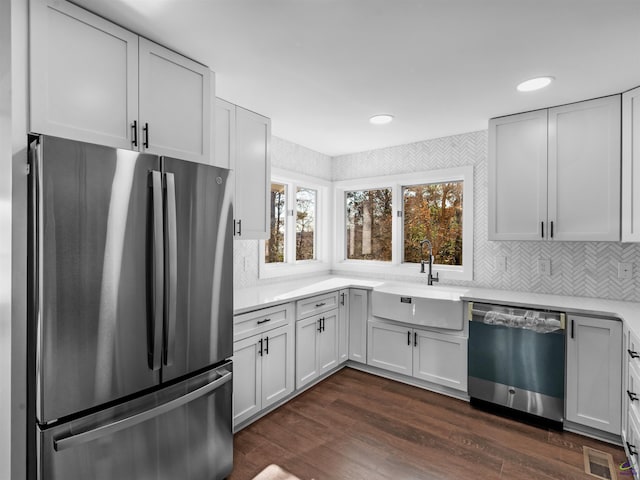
<point x="430" y="277"/>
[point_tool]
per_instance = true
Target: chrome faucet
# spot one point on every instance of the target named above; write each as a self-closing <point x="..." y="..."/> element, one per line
<point x="430" y="277"/>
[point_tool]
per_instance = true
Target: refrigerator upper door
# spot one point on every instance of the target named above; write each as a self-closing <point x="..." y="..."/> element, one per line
<point x="199" y="267"/>
<point x="95" y="304"/>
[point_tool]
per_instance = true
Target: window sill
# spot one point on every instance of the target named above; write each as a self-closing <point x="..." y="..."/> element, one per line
<point x="299" y="268"/>
<point x="445" y="272"/>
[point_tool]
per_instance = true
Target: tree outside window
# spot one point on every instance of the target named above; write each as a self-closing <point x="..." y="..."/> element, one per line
<point x="433" y="211"/>
<point x="275" y="246"/>
<point x="305" y="223"/>
<point x="369" y="224"/>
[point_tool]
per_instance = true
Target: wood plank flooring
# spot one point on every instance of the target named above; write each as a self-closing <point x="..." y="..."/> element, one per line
<point x="354" y="425"/>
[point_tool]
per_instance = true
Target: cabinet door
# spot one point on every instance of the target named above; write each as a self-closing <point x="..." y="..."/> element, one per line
<point x="247" y="378"/>
<point x="440" y="359"/>
<point x="631" y="166"/>
<point x="518" y="176"/>
<point x="83" y="75"/>
<point x="584" y="170"/>
<point x="594" y="373"/>
<point x="390" y="347"/>
<point x="306" y="350"/>
<point x="225" y="134"/>
<point x="277" y="365"/>
<point x="175" y="104"/>
<point x="328" y="342"/>
<point x="253" y="175"/>
<point x="358" y="316"/>
<point x="343" y="326"/>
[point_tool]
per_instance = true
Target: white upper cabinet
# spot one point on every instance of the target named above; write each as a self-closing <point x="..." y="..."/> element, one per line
<point x="518" y="176"/>
<point x="631" y="166"/>
<point x="554" y="174"/>
<point x="175" y="100"/>
<point x="584" y="170"/>
<point x="225" y="134"/>
<point x="83" y="75"/>
<point x="93" y="81"/>
<point x="253" y="175"/>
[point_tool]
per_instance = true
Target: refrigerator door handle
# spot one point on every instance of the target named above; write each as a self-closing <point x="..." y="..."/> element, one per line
<point x="111" y="428"/>
<point x="157" y="270"/>
<point x="172" y="270"/>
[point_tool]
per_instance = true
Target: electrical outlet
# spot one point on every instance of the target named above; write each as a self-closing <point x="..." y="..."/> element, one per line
<point x="501" y="263"/>
<point x="625" y="271"/>
<point x="544" y="266"/>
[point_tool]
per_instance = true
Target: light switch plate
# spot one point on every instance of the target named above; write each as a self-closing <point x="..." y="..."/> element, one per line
<point x="501" y="263"/>
<point x="625" y="271"/>
<point x="544" y="266"/>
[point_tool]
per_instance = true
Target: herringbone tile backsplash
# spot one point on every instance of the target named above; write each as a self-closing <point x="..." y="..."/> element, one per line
<point x="587" y="269"/>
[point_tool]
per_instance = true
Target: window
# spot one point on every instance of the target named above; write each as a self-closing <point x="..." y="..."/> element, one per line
<point x="382" y="221"/>
<point x="298" y="240"/>
<point x="433" y="211"/>
<point x="305" y="223"/>
<point x="274" y="247"/>
<point x="369" y="224"/>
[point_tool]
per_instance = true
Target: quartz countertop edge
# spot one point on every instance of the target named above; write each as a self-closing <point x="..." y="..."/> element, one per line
<point x="256" y="298"/>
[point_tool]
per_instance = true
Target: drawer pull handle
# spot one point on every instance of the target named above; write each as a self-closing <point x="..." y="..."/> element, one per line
<point x="260" y="322"/>
<point x="632" y="396"/>
<point x="320" y="304"/>
<point x="632" y="449"/>
<point x="633" y="353"/>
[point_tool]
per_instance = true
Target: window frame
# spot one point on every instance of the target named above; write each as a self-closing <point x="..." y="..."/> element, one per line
<point x="396" y="183"/>
<point x="322" y="234"/>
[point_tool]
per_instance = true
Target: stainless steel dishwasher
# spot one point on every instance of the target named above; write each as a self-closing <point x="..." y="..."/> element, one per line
<point x="517" y="358"/>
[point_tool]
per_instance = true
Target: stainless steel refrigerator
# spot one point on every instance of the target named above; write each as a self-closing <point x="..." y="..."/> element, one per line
<point x="131" y="315"/>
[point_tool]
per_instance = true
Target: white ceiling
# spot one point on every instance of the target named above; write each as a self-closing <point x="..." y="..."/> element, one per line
<point x="321" y="68"/>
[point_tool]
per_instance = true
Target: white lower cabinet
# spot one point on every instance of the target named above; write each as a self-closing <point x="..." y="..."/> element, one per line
<point x="343" y="325"/>
<point x="262" y="371"/>
<point x="431" y="356"/>
<point x="358" y="316"/>
<point x="594" y="373"/>
<point x="440" y="359"/>
<point x="316" y="346"/>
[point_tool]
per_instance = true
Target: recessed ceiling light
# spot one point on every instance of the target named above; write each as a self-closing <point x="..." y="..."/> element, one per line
<point x="534" y="84"/>
<point x="381" y="119"/>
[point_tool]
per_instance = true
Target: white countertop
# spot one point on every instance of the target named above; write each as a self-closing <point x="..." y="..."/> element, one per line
<point x="254" y="298"/>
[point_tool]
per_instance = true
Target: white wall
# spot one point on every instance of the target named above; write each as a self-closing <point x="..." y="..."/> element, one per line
<point x="13" y="148"/>
<point x="578" y="268"/>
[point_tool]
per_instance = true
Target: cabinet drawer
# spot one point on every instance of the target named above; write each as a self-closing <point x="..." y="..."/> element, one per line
<point x="318" y="304"/>
<point x="633" y="389"/>
<point x="633" y="350"/>
<point x="632" y="440"/>
<point x="259" y="321"/>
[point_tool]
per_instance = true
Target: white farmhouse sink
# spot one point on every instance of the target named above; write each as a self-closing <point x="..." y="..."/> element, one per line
<point x="428" y="306"/>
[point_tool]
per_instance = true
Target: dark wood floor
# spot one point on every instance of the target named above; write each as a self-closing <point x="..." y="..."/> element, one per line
<point x="359" y="426"/>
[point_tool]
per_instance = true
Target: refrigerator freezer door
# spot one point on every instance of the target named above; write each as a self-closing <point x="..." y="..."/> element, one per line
<point x="199" y="267"/>
<point x="95" y="301"/>
<point x="183" y="431"/>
